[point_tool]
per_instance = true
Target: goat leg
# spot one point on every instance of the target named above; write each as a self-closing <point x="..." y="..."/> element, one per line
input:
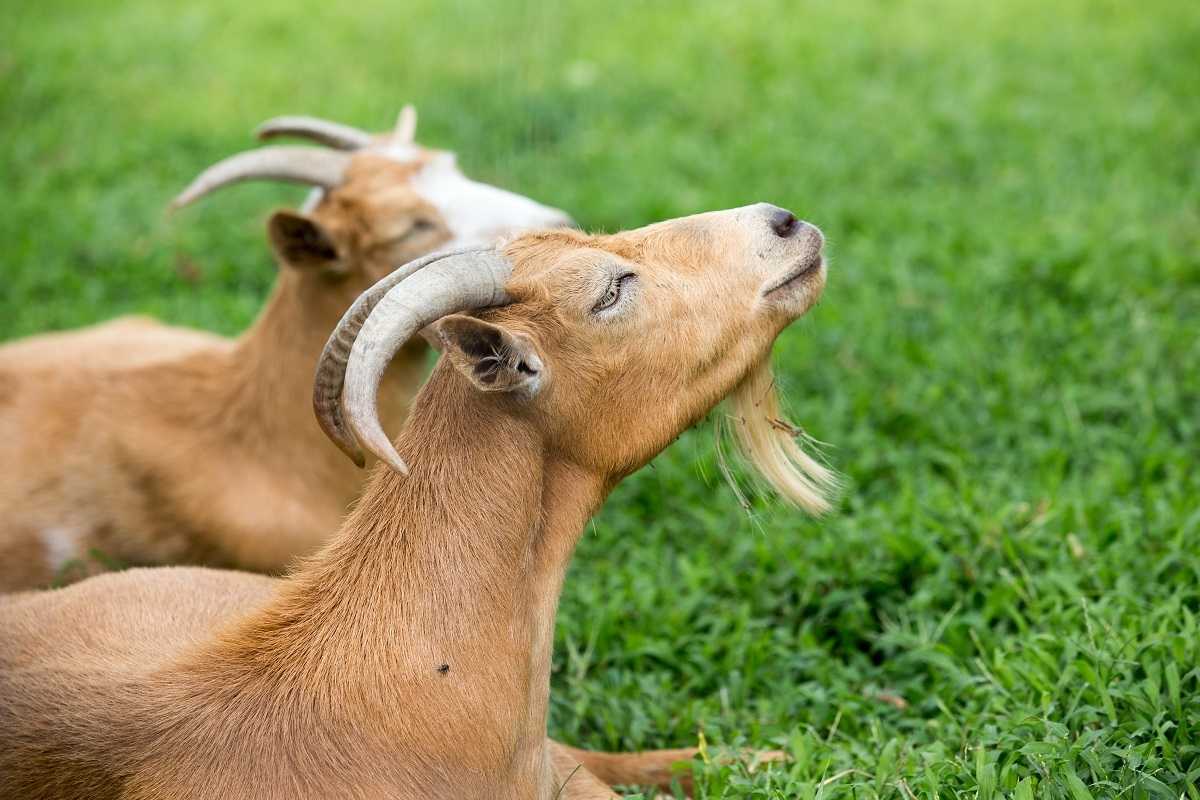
<point x="573" y="779"/>
<point x="651" y="767"/>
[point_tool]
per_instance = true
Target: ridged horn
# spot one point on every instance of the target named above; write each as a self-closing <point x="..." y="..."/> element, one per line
<point x="312" y="166"/>
<point x="378" y="324"/>
<point x="323" y="131"/>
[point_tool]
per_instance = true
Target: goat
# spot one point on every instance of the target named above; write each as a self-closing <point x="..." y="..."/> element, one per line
<point x="153" y="444"/>
<point x="410" y="656"/>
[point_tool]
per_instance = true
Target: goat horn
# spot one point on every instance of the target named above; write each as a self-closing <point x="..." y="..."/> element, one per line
<point x="378" y="324"/>
<point x="406" y="125"/>
<point x="323" y="131"/>
<point x="308" y="165"/>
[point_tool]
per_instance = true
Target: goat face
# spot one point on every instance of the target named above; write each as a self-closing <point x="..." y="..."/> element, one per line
<point x="616" y="344"/>
<point x="362" y="228"/>
<point x="387" y="212"/>
<point x="381" y="200"/>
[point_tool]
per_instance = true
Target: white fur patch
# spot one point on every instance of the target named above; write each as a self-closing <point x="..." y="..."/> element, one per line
<point x="62" y="545"/>
<point x="476" y="213"/>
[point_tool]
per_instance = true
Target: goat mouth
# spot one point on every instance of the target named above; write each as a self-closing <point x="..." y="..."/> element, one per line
<point x="806" y="267"/>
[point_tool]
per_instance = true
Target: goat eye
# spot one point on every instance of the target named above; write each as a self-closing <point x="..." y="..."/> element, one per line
<point x="419" y="226"/>
<point x="613" y="293"/>
<point x="609" y="298"/>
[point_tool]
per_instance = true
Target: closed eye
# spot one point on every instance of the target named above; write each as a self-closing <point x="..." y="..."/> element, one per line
<point x="418" y="227"/>
<point x="613" y="293"/>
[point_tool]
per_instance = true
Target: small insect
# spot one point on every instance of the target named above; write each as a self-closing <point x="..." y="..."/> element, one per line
<point x="443" y="669"/>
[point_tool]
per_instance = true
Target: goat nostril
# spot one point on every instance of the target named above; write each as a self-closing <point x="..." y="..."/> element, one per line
<point x="784" y="223"/>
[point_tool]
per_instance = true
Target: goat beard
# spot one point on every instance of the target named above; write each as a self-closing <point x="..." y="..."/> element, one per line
<point x="773" y="446"/>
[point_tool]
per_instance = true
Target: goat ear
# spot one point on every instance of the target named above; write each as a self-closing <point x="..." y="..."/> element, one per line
<point x="492" y="358"/>
<point x="301" y="241"/>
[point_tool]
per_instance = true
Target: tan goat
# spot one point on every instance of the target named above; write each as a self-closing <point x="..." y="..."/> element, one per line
<point x="410" y="657"/>
<point x="154" y="444"/>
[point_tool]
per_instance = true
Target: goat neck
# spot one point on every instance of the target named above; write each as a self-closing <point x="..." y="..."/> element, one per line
<point x="431" y="614"/>
<point x="268" y="381"/>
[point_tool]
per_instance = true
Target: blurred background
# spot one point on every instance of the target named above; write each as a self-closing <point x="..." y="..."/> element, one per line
<point x="1005" y="367"/>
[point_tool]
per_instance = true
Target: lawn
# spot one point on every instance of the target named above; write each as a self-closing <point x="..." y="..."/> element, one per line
<point x="1005" y="367"/>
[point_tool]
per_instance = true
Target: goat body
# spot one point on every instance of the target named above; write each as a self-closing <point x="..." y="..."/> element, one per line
<point x="197" y="683"/>
<point x="168" y="445"/>
<point x="410" y="657"/>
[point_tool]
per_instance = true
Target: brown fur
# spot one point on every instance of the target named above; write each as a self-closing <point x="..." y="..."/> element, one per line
<point x="135" y="442"/>
<point x="410" y="657"/>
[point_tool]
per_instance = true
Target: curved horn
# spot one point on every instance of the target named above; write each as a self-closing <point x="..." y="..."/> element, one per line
<point x="424" y="300"/>
<point x="332" y="134"/>
<point x="308" y="165"/>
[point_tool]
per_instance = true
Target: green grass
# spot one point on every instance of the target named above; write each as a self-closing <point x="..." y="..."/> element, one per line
<point x="1006" y="362"/>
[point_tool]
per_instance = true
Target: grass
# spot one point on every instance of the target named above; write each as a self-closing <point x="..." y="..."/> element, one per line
<point x="1007" y="362"/>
